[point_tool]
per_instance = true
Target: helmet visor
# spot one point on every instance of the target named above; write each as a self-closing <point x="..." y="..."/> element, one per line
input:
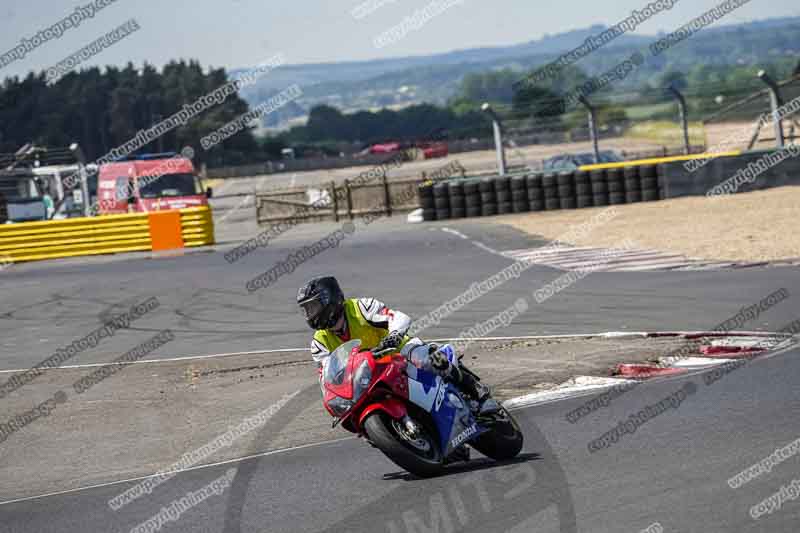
<point x="311" y="308"/>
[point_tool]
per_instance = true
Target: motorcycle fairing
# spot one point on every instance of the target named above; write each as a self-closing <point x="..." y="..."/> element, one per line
<point x="450" y="412"/>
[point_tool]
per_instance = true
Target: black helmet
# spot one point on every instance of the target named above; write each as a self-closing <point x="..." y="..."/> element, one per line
<point x="322" y="302"/>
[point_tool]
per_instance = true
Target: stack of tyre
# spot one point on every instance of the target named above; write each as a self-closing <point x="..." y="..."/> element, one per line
<point x="561" y="190"/>
<point x="538" y="192"/>
<point x="473" y="199"/>
<point x="633" y="185"/>
<point x="649" y="179"/>
<point x="640" y="183"/>
<point x="535" y="192"/>
<point x="435" y="202"/>
<point x="520" y="201"/>
<point x="495" y="196"/>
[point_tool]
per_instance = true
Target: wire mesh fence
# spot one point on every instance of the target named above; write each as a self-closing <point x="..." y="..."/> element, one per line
<point x="748" y="123"/>
<point x="649" y="123"/>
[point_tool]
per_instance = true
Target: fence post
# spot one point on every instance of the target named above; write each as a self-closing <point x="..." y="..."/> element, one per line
<point x="349" y="199"/>
<point x="498" y="139"/>
<point x="756" y="133"/>
<point x="683" y="116"/>
<point x="335" y="201"/>
<point x="776" y="101"/>
<point x="592" y="127"/>
<point x="387" y="195"/>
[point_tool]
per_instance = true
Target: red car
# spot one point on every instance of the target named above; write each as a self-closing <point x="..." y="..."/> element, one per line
<point x="434" y="150"/>
<point x="386" y="148"/>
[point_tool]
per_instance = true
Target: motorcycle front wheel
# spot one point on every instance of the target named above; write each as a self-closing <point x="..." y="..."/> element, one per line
<point x="418" y="454"/>
<point x="503" y="441"/>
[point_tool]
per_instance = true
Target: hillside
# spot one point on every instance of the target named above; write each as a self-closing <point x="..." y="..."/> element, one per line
<point x="398" y="82"/>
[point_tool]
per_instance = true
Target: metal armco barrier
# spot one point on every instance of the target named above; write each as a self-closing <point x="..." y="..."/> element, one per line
<point x="35" y="241"/>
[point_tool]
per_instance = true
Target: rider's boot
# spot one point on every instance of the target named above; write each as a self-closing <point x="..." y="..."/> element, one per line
<point x="483" y="403"/>
<point x="478" y="394"/>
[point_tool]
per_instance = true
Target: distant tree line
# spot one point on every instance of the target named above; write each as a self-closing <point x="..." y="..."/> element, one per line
<point x="413" y="123"/>
<point x="103" y="109"/>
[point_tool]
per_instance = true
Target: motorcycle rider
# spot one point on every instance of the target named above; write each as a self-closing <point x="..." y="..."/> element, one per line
<point x="337" y="320"/>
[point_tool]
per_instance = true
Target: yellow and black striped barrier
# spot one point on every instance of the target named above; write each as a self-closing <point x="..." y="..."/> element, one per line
<point x="110" y="234"/>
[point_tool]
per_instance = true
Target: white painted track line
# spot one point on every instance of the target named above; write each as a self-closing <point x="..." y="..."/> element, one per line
<point x="607" y="334"/>
<point x="198" y="467"/>
<point x="575" y="387"/>
<point x="512" y="404"/>
<point x="292" y="350"/>
<point x="166" y="360"/>
<point x="578" y="386"/>
<point x="693" y="362"/>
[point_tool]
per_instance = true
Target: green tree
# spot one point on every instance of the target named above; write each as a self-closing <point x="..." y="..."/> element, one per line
<point x="495" y="86"/>
<point x="326" y="123"/>
<point x="536" y="102"/>
<point x="673" y="79"/>
<point x="103" y="109"/>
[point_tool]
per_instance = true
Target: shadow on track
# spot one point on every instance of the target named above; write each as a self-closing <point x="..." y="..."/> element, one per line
<point x="473" y="465"/>
<point x="481" y="495"/>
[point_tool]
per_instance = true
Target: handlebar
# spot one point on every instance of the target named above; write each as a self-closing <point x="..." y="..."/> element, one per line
<point x="380" y="353"/>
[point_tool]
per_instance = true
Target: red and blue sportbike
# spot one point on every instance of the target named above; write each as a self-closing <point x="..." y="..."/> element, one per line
<point x="417" y="419"/>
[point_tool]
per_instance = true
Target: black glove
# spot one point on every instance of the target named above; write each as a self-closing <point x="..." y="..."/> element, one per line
<point x="439" y="360"/>
<point x="392" y="340"/>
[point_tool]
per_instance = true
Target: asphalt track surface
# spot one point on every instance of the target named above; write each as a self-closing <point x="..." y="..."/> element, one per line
<point x="414" y="268"/>
<point x="672" y="471"/>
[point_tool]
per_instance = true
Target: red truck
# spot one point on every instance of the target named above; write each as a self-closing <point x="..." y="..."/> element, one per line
<point x="152" y="182"/>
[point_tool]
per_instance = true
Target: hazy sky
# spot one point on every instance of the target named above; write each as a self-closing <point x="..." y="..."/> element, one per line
<point x="237" y="33"/>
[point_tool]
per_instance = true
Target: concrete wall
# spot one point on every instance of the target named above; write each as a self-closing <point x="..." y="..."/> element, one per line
<point x="676" y="181"/>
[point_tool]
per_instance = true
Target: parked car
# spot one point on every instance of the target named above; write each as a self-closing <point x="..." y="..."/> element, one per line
<point x="385" y="148"/>
<point x="434" y="150"/>
<point x="569" y="162"/>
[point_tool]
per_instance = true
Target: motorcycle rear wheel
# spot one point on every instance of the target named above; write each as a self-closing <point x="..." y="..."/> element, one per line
<point x="504" y="441"/>
<point x="421" y="456"/>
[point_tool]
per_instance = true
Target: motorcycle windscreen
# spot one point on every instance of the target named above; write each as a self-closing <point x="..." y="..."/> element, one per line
<point x="336" y="375"/>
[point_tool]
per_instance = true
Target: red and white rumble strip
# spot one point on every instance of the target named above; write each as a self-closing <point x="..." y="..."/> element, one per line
<point x="730" y="350"/>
